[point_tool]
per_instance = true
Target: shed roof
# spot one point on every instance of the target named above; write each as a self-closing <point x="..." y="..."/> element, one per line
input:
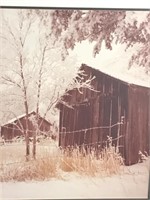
<point x="20" y="117"/>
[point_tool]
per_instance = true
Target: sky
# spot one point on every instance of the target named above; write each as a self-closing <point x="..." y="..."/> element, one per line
<point x="113" y="62"/>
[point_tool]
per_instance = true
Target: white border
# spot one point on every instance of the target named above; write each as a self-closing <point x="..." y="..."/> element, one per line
<point x="129" y="4"/>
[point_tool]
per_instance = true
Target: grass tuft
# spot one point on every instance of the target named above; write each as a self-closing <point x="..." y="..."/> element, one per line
<point x="49" y="163"/>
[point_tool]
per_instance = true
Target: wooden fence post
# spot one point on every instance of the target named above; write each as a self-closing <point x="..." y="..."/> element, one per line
<point x="63" y="136"/>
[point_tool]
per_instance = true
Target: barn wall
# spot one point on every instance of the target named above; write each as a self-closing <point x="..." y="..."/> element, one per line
<point x="138" y="129"/>
<point x="12" y="130"/>
<point x="95" y="109"/>
<point x="44" y="126"/>
<point x="7" y="132"/>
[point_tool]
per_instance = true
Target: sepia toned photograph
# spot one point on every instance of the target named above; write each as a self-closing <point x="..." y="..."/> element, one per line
<point x="75" y="101"/>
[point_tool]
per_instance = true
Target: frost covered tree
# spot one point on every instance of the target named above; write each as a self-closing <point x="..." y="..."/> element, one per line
<point x="15" y="74"/>
<point x="33" y="75"/>
<point x="108" y="26"/>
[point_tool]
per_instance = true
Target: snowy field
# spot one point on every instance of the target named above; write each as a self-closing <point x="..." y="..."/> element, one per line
<point x="15" y="152"/>
<point x="131" y="183"/>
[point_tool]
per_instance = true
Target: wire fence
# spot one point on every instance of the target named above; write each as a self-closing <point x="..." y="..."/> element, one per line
<point x="19" y="140"/>
<point x="53" y="151"/>
<point x="20" y="129"/>
<point x="48" y="145"/>
<point x="92" y="136"/>
<point x="92" y="128"/>
<point x="15" y="153"/>
<point x="74" y="131"/>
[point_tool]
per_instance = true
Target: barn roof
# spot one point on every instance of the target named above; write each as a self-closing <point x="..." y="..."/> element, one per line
<point x="123" y="78"/>
<point x="114" y="62"/>
<point x="20" y="117"/>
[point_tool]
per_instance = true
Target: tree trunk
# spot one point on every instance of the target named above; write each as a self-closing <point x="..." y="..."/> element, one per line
<point x="27" y="146"/>
<point x="35" y="133"/>
<point x="27" y="133"/>
<point x="34" y="144"/>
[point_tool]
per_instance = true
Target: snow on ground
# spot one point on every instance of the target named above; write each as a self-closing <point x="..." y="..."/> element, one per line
<point x="132" y="183"/>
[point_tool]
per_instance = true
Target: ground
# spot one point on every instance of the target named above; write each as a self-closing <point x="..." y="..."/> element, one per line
<point x="131" y="183"/>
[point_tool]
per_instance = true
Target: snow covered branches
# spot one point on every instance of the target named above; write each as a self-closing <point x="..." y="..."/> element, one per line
<point x="108" y="26"/>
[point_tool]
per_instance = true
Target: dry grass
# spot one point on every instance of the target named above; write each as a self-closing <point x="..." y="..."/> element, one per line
<point x="108" y="162"/>
<point x="39" y="169"/>
<point x="111" y="160"/>
<point x="50" y="162"/>
<point x="79" y="162"/>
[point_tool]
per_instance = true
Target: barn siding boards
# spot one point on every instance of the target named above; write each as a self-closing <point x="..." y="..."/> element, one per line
<point x="17" y="127"/>
<point x="138" y="136"/>
<point x="114" y="100"/>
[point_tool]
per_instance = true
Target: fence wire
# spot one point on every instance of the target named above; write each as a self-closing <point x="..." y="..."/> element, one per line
<point x="52" y="150"/>
<point x="76" y="131"/>
<point x="49" y="144"/>
<point x="92" y="128"/>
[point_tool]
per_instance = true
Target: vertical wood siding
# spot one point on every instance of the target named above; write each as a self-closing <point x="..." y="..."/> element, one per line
<point x="113" y="100"/>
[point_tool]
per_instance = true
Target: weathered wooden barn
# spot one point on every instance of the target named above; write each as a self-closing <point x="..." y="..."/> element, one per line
<point x="16" y="126"/>
<point x="116" y="109"/>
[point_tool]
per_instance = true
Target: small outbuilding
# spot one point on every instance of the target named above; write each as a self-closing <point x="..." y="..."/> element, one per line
<point x="113" y="108"/>
<point x="17" y="126"/>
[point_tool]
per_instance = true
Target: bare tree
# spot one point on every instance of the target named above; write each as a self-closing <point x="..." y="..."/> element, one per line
<point x="37" y="72"/>
<point x="16" y="40"/>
